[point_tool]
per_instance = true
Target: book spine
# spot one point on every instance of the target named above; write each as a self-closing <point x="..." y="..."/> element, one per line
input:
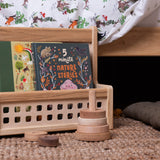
<point x="0" y="73"/>
<point x="35" y="61"/>
<point x="0" y="82"/>
<point x="6" y="72"/>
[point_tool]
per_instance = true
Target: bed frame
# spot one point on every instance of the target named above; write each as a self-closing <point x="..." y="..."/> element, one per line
<point x="140" y="41"/>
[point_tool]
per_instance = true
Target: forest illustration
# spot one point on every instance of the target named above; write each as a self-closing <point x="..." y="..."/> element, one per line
<point x="62" y="66"/>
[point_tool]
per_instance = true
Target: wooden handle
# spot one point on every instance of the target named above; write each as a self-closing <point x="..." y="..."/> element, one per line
<point x="92" y="100"/>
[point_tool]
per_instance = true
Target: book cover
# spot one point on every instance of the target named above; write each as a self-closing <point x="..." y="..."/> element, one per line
<point x="23" y="68"/>
<point x="62" y="66"/>
<point x="6" y="73"/>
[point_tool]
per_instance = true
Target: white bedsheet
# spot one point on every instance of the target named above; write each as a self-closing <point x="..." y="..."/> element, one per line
<point x="113" y="18"/>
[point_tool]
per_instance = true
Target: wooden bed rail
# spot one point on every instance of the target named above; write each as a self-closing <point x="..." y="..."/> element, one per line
<point x="139" y="41"/>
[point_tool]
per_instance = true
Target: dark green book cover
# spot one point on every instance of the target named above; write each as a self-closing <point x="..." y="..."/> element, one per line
<point x="6" y="72"/>
<point x="62" y="66"/>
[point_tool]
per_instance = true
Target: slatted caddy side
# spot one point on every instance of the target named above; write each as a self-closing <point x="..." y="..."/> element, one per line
<point x="51" y="110"/>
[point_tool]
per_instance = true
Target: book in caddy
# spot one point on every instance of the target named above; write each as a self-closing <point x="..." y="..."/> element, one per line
<point x="62" y="66"/>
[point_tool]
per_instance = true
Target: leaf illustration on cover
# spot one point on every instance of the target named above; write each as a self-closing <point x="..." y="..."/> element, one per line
<point x="42" y="79"/>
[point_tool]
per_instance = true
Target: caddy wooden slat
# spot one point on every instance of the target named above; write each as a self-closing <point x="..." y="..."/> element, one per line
<point x="51" y="110"/>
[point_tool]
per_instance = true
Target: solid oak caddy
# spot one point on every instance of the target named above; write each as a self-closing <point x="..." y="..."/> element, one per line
<point x="54" y="110"/>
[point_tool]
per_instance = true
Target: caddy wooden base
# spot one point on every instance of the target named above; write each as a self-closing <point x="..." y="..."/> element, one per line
<point x="51" y="110"/>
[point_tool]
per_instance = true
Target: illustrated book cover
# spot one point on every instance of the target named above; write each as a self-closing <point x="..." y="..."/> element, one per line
<point x="62" y="66"/>
<point x="23" y="68"/>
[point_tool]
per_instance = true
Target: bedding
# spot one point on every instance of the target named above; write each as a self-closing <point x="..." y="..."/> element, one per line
<point x="153" y="20"/>
<point x="113" y="18"/>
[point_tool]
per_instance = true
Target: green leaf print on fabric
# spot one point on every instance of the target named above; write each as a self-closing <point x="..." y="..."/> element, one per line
<point x="36" y="17"/>
<point x="122" y="19"/>
<point x="123" y="5"/>
<point x="103" y="22"/>
<point x="19" y="18"/>
<point x="63" y="7"/>
<point x="82" y="22"/>
<point x="5" y="5"/>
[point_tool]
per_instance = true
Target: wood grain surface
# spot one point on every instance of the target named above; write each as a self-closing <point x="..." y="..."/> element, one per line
<point x="50" y="95"/>
<point x="92" y="129"/>
<point x="45" y="34"/>
<point x="98" y="113"/>
<point x="92" y="122"/>
<point x="138" y="42"/>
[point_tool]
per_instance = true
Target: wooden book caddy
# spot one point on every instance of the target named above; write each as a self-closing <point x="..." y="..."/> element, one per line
<point x="64" y="105"/>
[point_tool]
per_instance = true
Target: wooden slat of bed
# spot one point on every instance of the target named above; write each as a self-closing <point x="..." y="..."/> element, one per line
<point x="139" y="41"/>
